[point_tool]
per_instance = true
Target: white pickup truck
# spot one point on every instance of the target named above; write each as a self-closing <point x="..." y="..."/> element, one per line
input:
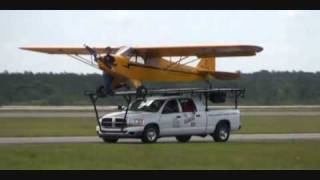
<point x="164" y="116"/>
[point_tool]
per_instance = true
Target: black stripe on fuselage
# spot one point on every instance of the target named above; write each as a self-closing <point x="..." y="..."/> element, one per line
<point x="152" y="67"/>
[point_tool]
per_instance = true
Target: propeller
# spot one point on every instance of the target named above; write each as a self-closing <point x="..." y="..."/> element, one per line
<point x="92" y="52"/>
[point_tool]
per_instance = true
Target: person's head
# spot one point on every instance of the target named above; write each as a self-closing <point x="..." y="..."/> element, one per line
<point x="108" y="50"/>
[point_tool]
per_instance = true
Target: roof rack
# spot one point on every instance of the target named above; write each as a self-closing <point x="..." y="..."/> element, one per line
<point x="237" y="92"/>
<point x="179" y="91"/>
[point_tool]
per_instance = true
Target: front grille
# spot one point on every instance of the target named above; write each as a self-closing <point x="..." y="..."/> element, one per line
<point x="120" y="120"/>
<point x="118" y="123"/>
<point x="106" y="122"/>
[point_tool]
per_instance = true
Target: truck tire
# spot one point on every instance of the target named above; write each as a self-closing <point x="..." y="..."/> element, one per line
<point x="183" y="138"/>
<point x="110" y="139"/>
<point x="150" y="134"/>
<point x="222" y="132"/>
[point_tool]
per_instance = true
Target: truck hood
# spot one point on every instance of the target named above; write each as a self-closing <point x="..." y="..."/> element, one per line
<point x="130" y="115"/>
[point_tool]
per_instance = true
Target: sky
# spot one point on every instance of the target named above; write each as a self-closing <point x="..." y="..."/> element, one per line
<point x="290" y="38"/>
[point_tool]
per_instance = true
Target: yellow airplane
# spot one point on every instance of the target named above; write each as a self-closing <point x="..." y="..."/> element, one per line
<point x="137" y="65"/>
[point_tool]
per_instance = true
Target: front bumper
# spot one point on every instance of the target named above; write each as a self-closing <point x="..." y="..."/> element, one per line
<point x="128" y="132"/>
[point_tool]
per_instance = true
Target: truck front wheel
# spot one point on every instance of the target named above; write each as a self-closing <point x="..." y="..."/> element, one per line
<point x="222" y="132"/>
<point x="110" y="140"/>
<point x="183" y="138"/>
<point x="150" y="134"/>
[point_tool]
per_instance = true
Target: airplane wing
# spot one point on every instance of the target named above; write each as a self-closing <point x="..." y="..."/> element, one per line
<point x="67" y="50"/>
<point x="200" y="51"/>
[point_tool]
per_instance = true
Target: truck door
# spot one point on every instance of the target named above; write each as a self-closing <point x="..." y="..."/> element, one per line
<point x="193" y="120"/>
<point x="170" y="118"/>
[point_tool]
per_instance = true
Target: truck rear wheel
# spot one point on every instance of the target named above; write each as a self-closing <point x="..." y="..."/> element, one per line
<point x="222" y="132"/>
<point x="150" y="134"/>
<point x="183" y="138"/>
<point x="110" y="139"/>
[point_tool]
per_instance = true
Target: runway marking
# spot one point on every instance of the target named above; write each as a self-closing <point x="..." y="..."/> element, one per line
<point x="95" y="139"/>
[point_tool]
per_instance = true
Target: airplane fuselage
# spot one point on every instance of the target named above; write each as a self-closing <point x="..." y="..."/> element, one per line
<point x="165" y="71"/>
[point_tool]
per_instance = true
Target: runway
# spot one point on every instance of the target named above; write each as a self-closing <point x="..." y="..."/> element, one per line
<point x="95" y="139"/>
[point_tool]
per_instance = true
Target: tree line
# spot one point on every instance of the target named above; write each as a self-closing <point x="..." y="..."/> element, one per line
<point x="262" y="88"/>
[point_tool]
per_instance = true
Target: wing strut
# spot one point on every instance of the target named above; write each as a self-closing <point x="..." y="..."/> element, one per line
<point x="83" y="60"/>
<point x="179" y="62"/>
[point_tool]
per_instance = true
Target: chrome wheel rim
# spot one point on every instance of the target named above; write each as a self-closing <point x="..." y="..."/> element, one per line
<point x="223" y="134"/>
<point x="151" y="134"/>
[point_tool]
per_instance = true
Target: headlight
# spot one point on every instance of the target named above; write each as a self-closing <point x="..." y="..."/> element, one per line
<point x="137" y="122"/>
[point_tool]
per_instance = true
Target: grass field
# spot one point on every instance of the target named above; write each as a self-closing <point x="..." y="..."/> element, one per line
<point x="232" y="155"/>
<point x="28" y="127"/>
<point x="193" y="155"/>
<point x="20" y="127"/>
<point x="280" y="124"/>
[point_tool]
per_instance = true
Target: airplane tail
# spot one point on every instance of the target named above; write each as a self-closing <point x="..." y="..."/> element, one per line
<point x="207" y="64"/>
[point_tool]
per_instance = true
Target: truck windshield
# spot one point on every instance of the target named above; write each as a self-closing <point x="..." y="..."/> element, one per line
<point x="149" y="105"/>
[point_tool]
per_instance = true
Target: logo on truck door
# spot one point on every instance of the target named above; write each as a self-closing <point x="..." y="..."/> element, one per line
<point x="189" y="109"/>
<point x="189" y="119"/>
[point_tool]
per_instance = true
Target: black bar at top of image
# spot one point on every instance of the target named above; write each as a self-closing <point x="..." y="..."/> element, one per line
<point x="158" y="4"/>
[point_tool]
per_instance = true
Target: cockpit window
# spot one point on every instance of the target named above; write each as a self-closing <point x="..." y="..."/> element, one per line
<point x="137" y="59"/>
<point x="124" y="51"/>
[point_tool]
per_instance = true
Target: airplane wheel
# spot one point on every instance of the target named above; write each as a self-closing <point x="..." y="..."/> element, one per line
<point x="183" y="138"/>
<point x="126" y="86"/>
<point x="141" y="91"/>
<point x="110" y="140"/>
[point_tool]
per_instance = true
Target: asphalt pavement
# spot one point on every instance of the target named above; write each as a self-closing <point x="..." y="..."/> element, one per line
<point x="208" y="139"/>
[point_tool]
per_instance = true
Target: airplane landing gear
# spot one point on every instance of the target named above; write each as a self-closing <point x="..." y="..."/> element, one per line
<point x="101" y="91"/>
<point x="141" y="91"/>
<point x="126" y="86"/>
